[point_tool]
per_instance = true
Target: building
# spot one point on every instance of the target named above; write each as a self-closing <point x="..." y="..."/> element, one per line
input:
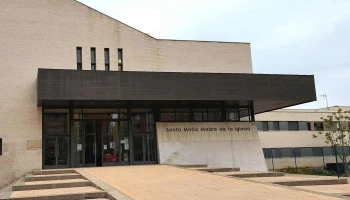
<point x="286" y="137"/>
<point x="82" y="89"/>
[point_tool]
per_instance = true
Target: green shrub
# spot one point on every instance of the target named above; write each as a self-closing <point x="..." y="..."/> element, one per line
<point x="310" y="171"/>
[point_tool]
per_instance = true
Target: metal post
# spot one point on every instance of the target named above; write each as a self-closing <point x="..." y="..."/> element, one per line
<point x="295" y="161"/>
<point x="324" y="165"/>
<point x="336" y="159"/>
<point x="273" y="164"/>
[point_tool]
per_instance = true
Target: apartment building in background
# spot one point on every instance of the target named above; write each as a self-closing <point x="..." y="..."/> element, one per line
<point x="286" y="137"/>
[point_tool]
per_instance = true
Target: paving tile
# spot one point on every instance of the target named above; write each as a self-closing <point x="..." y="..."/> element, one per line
<point x="333" y="189"/>
<point x="55" y="181"/>
<point x="49" y="192"/>
<point x="166" y="182"/>
<point x="291" y="178"/>
<point x="49" y="175"/>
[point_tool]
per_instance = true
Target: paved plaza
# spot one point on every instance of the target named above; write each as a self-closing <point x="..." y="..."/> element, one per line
<point x="168" y="182"/>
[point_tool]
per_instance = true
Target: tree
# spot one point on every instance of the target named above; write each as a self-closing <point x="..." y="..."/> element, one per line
<point x="336" y="132"/>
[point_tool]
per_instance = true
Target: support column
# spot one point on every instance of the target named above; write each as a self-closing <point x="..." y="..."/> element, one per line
<point x="252" y="113"/>
<point x="71" y="131"/>
<point x="131" y="141"/>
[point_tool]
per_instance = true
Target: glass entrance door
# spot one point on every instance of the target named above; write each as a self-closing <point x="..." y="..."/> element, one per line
<point x="144" y="148"/>
<point x="90" y="144"/>
<point x="143" y="131"/>
<point x="84" y="143"/>
<point x="56" y="152"/>
<point x="115" y="142"/>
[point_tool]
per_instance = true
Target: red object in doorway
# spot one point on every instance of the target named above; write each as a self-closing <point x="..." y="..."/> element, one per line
<point x="109" y="158"/>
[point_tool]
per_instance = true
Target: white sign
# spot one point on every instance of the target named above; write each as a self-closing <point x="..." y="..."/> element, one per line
<point x="79" y="147"/>
<point x="104" y="147"/>
<point x="112" y="145"/>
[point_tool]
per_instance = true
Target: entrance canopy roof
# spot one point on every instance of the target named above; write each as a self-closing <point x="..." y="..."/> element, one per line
<point x="266" y="91"/>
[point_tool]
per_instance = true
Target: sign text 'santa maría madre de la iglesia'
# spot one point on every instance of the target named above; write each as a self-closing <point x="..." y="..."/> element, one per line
<point x="191" y="129"/>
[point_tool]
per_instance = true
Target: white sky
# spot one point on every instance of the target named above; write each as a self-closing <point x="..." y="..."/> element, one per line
<point x="287" y="37"/>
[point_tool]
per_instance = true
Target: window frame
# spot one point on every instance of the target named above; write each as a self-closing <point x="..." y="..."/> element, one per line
<point x="295" y="129"/>
<point x="267" y="125"/>
<point x="316" y="128"/>
<point x="120" y="59"/>
<point x="93" y="58"/>
<point x="79" y="52"/>
<point x="107" y="59"/>
<point x="303" y="126"/>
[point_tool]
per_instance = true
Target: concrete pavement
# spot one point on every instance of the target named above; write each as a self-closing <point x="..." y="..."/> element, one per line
<point x="167" y="182"/>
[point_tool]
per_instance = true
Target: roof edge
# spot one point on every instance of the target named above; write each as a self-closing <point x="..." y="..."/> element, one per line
<point x="175" y="40"/>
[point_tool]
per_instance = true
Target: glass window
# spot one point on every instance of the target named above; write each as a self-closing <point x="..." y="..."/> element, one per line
<point x="273" y="126"/>
<point x="306" y="152"/>
<point x="167" y="115"/>
<point x="106" y="55"/>
<point x="332" y="126"/>
<point x="56" y="124"/>
<point x="200" y="115"/>
<point x="265" y="126"/>
<point x="318" y="126"/>
<point x="79" y="58"/>
<point x="259" y="125"/>
<point x="93" y="58"/>
<point x="270" y="125"/>
<point x="232" y="114"/>
<point x="327" y="151"/>
<point x="343" y="150"/>
<point x="283" y="125"/>
<point x="309" y="126"/>
<point x="100" y="114"/>
<point x="0" y="146"/>
<point x="267" y="153"/>
<point x="106" y="59"/>
<point x="142" y="121"/>
<point x="244" y="114"/>
<point x="123" y="114"/>
<point x="296" y="152"/>
<point x="286" y="152"/>
<point x="317" y="151"/>
<point x="303" y="126"/>
<point x="214" y="115"/>
<point x="293" y="126"/>
<point x="182" y="115"/>
<point x="277" y="153"/>
<point x="120" y="59"/>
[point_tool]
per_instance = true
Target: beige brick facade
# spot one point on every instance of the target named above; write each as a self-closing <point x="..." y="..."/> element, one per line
<point x="45" y="33"/>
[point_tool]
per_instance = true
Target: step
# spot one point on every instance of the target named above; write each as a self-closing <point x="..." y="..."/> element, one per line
<point x="218" y="169"/>
<point x="313" y="182"/>
<point x="257" y="174"/>
<point x="98" y="199"/>
<point x="53" y="171"/>
<point x="59" y="194"/>
<point x="51" y="184"/>
<point x="192" y="166"/>
<point x="31" y="177"/>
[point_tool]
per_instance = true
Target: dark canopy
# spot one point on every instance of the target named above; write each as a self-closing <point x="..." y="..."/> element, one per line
<point x="265" y="91"/>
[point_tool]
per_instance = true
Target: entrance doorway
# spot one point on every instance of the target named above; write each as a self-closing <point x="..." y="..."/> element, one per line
<point x="55" y="141"/>
<point x="100" y="142"/>
<point x="56" y="152"/>
<point x="98" y="137"/>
